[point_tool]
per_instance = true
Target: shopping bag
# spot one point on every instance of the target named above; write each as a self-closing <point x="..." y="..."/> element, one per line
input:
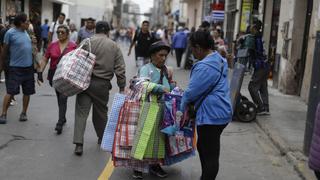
<point x="170" y="160"/>
<point x="109" y="132"/>
<point x="138" y="165"/>
<point x="179" y="143"/>
<point x="156" y="144"/>
<point x="172" y="105"/>
<point x="147" y="121"/>
<point x="73" y="74"/>
<point x="129" y="122"/>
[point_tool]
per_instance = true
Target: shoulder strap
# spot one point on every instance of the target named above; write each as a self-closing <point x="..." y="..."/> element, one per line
<point x="54" y="26"/>
<point x="210" y="88"/>
<point x="63" y="53"/>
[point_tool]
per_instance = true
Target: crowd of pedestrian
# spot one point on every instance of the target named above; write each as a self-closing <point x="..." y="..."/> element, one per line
<point x="211" y="57"/>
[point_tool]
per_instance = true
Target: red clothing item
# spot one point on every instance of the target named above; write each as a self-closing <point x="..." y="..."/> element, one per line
<point x="53" y="52"/>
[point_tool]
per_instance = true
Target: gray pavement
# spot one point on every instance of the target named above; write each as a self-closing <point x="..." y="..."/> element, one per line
<point x="31" y="150"/>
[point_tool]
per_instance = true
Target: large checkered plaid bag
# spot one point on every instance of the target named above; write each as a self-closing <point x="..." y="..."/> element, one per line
<point x="126" y="127"/>
<point x="109" y="132"/>
<point x="74" y="71"/>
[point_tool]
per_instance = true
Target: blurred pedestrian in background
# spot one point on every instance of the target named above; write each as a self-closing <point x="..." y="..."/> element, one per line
<point x="179" y="44"/>
<point x="44" y="35"/>
<point x="87" y="31"/>
<point x="52" y="36"/>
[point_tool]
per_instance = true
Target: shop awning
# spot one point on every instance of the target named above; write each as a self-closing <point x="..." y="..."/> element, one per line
<point x="63" y="2"/>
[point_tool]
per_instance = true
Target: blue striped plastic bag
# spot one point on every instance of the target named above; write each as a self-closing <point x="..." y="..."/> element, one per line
<point x="109" y="131"/>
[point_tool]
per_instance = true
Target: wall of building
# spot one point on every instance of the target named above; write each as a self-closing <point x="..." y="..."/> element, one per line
<point x="47" y="11"/>
<point x="314" y="27"/>
<point x="194" y="19"/>
<point x="83" y="9"/>
<point x="267" y="23"/>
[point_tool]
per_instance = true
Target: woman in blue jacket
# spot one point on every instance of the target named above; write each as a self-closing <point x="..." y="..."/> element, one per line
<point x="209" y="90"/>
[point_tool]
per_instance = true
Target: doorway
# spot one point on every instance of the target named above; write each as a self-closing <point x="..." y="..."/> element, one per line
<point x="56" y="11"/>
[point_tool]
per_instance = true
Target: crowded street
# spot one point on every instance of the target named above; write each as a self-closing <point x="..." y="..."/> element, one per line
<point x="32" y="151"/>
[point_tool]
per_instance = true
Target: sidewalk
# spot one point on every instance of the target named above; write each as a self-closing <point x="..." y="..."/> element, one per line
<point x="285" y="127"/>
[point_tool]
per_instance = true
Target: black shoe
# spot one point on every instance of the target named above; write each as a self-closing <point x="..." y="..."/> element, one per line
<point x="3" y="119"/>
<point x="64" y="121"/>
<point x="23" y="117"/>
<point x="58" y="128"/>
<point x="158" y="171"/>
<point x="78" y="150"/>
<point x="137" y="175"/>
<point x="99" y="140"/>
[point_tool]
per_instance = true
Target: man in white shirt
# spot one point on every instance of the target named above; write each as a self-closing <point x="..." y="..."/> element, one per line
<point x="54" y="26"/>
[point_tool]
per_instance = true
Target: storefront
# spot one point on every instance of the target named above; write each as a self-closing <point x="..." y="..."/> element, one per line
<point x="251" y="11"/>
<point x="35" y="7"/>
<point x="13" y="7"/>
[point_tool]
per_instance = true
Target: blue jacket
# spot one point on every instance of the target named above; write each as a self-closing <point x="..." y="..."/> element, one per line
<point x="179" y="40"/>
<point x="216" y="108"/>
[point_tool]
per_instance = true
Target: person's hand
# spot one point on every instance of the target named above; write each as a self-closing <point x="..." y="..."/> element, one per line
<point x="165" y="90"/>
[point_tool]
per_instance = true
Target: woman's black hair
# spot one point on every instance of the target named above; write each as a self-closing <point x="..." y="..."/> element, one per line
<point x="64" y="27"/>
<point x="202" y="39"/>
<point x="19" y="19"/>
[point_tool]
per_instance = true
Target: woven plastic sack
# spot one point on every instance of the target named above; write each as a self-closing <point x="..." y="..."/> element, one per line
<point x="156" y="144"/>
<point x="73" y="74"/>
<point x="109" y="132"/>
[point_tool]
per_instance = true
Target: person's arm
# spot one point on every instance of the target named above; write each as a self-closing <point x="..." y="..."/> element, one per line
<point x="196" y="88"/>
<point x="146" y="72"/>
<point x="4" y="55"/>
<point x="133" y="43"/>
<point x="120" y="70"/>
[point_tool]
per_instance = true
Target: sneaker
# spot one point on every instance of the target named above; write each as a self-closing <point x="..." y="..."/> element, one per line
<point x="137" y="175"/>
<point x="78" y="150"/>
<point x="158" y="171"/>
<point x="263" y="113"/>
<point x="3" y="119"/>
<point x="23" y="117"/>
<point x="13" y="102"/>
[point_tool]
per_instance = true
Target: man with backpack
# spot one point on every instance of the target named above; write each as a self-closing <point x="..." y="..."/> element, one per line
<point x="258" y="86"/>
<point x="142" y="40"/>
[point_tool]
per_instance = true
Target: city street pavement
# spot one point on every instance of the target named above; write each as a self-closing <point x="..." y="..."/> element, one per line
<point x="32" y="151"/>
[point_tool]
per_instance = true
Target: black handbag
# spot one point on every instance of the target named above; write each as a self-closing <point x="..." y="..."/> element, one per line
<point x="192" y="108"/>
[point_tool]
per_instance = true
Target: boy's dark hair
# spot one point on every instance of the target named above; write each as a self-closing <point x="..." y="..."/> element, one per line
<point x="46" y="21"/>
<point x="202" y="39"/>
<point x="19" y="19"/>
<point x="205" y="24"/>
<point x="62" y="14"/>
<point x="102" y="27"/>
<point x="91" y="19"/>
<point x="146" y="22"/>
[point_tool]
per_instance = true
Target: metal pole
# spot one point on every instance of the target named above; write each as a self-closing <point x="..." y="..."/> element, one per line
<point x="314" y="95"/>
